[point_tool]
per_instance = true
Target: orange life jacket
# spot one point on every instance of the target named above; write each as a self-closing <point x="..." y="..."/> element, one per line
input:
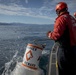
<point x="65" y="25"/>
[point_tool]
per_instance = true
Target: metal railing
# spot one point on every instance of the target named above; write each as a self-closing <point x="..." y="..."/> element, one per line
<point x="53" y="67"/>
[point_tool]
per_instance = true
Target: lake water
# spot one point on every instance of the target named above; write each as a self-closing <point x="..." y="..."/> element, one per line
<point x="13" y="42"/>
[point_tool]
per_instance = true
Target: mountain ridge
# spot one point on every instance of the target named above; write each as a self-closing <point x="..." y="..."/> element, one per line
<point x="21" y="24"/>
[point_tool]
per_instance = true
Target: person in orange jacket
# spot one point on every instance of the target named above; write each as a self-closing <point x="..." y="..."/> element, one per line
<point x="64" y="35"/>
<point x="75" y="15"/>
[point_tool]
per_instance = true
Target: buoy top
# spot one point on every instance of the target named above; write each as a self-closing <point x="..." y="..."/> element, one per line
<point x="36" y="46"/>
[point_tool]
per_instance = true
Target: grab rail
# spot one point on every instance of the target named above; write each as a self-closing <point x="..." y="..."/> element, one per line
<point x="53" y="67"/>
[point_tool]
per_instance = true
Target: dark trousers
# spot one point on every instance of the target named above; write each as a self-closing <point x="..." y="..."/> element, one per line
<point x="66" y="58"/>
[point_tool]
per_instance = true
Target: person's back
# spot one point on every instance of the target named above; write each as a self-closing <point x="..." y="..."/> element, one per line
<point x="72" y="51"/>
<point x="71" y="24"/>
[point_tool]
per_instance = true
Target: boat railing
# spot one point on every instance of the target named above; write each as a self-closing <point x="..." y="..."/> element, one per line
<point x="53" y="67"/>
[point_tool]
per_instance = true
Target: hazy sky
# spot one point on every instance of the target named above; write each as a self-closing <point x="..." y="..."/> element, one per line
<point x="31" y="11"/>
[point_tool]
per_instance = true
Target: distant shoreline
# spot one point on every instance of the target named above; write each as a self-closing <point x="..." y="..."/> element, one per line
<point x="21" y="24"/>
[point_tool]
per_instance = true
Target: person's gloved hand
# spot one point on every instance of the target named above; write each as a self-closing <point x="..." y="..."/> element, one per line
<point x="48" y="33"/>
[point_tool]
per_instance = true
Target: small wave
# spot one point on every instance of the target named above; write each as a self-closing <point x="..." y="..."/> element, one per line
<point x="9" y="66"/>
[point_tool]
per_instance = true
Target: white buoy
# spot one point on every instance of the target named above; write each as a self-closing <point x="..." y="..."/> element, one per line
<point x="21" y="70"/>
<point x="32" y="56"/>
<point x="30" y="64"/>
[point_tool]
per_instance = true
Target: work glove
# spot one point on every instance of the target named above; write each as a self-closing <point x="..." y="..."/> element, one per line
<point x="48" y="33"/>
